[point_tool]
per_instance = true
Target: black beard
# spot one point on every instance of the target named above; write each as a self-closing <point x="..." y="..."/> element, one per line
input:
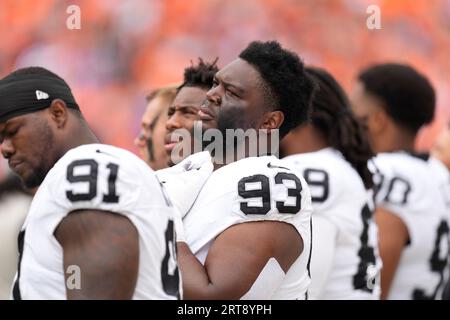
<point x="39" y="173"/>
<point x="234" y="120"/>
<point x="36" y="178"/>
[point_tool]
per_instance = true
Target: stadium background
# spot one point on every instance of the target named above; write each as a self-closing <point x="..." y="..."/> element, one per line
<point x="127" y="48"/>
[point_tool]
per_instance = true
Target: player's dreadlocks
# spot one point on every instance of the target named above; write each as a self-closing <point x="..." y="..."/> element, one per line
<point x="200" y="75"/>
<point x="333" y="117"/>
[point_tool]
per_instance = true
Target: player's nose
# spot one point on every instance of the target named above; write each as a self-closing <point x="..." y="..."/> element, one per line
<point x="7" y="148"/>
<point x="213" y="96"/>
<point x="174" y="122"/>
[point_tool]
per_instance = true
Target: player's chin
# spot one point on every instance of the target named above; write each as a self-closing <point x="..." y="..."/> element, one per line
<point x="31" y="179"/>
<point x="177" y="155"/>
<point x="211" y="124"/>
<point x="143" y="153"/>
<point x="175" y="159"/>
<point x="20" y="171"/>
<point x="169" y="156"/>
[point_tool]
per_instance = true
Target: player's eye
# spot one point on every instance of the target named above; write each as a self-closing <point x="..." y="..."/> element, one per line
<point x="7" y="134"/>
<point x="232" y="93"/>
<point x="11" y="133"/>
<point x="141" y="136"/>
<point x="192" y="111"/>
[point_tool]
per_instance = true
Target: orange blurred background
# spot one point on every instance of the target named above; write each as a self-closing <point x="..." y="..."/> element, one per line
<point x="127" y="48"/>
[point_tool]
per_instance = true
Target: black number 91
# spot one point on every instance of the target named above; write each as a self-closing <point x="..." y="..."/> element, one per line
<point x="91" y="178"/>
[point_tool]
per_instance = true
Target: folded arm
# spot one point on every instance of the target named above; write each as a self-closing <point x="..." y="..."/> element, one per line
<point x="236" y="258"/>
<point x="105" y="248"/>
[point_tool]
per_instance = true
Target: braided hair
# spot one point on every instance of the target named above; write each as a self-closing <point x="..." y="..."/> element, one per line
<point x="333" y="117"/>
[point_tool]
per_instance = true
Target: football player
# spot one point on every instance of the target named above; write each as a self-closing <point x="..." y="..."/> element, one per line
<point x="99" y="226"/>
<point x="394" y="101"/>
<point x="183" y="112"/>
<point x="150" y="140"/>
<point x="332" y="153"/>
<point x="184" y="180"/>
<point x="248" y="234"/>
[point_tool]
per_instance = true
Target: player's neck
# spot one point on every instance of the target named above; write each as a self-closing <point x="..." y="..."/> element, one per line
<point x="305" y="139"/>
<point x="398" y="141"/>
<point x="84" y="135"/>
<point x="229" y="156"/>
<point x="218" y="166"/>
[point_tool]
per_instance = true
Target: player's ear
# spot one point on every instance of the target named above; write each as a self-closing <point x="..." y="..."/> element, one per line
<point x="59" y="112"/>
<point x="378" y="121"/>
<point x="273" y="120"/>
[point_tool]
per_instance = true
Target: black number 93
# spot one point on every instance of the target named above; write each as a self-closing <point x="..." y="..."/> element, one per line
<point x="262" y="191"/>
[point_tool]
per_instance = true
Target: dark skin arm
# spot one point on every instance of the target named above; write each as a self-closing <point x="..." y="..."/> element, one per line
<point x="236" y="258"/>
<point x="393" y="236"/>
<point x="105" y="246"/>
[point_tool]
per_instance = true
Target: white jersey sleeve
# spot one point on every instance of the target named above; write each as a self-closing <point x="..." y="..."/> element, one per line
<point x="99" y="177"/>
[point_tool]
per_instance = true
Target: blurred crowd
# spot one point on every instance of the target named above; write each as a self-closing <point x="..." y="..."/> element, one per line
<point x="125" y="49"/>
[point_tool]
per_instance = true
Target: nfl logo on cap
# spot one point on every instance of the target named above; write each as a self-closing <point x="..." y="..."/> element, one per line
<point x="41" y="95"/>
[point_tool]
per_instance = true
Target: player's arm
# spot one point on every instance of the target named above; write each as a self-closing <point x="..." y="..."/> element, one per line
<point x="393" y="236"/>
<point x="324" y="243"/>
<point x="236" y="258"/>
<point x="105" y="247"/>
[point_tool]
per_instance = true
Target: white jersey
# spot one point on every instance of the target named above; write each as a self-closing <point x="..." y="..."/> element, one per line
<point x="255" y="189"/>
<point x="339" y="197"/>
<point x="442" y="176"/>
<point x="409" y="188"/>
<point x="99" y="177"/>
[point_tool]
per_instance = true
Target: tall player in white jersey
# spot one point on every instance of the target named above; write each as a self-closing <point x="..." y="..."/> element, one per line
<point x="395" y="101"/>
<point x="248" y="233"/>
<point x="332" y="153"/>
<point x="99" y="226"/>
